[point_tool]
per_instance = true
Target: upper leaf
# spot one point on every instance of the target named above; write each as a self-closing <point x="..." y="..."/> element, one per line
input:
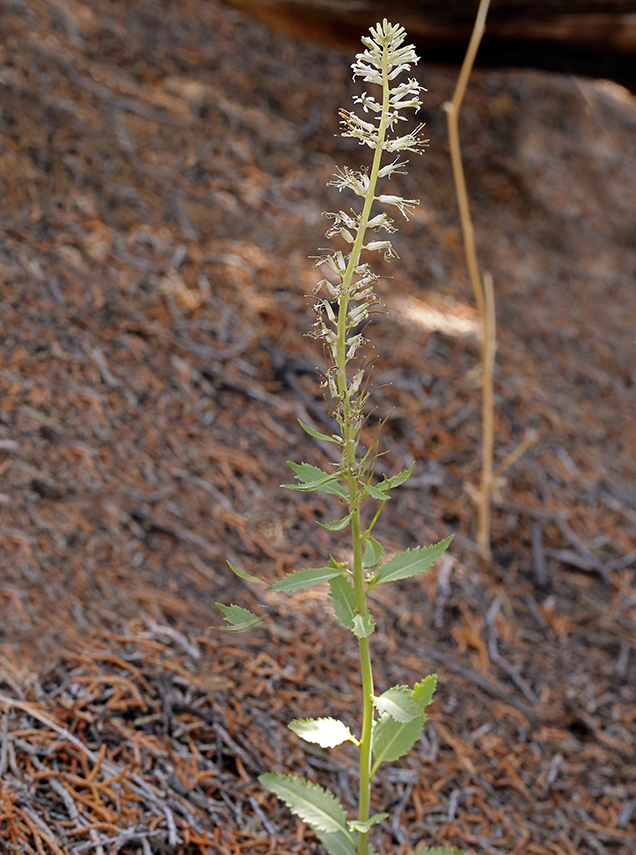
<point x="375" y="492"/>
<point x="326" y="732"/>
<point x="318" y="435"/>
<point x="393" y="739"/>
<point x="305" y="579"/>
<point x="343" y="599"/>
<point x="312" y="478"/>
<point x="317" y="807"/>
<point x="423" y="692"/>
<point x="411" y="562"/>
<point x="243" y="575"/>
<point x="401" y="477"/>
<point x="372" y="553"/>
<point x="398" y="702"/>
<point x="241" y="619"/>
<point x="338" y="525"/>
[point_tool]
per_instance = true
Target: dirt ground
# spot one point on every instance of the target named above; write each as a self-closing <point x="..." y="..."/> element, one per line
<point x="163" y="172"/>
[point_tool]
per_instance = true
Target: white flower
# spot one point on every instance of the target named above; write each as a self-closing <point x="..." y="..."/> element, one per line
<point x="405" y="206"/>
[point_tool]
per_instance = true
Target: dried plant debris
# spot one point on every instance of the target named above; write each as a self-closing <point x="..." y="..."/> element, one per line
<point x="156" y="211"/>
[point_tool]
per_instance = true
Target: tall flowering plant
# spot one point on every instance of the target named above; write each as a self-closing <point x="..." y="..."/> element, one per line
<point x="391" y="722"/>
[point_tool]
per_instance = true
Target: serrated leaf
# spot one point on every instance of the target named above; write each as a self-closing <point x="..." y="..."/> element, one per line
<point x="398" y="702"/>
<point x="396" y="480"/>
<point x="375" y="492"/>
<point x="363" y="626"/>
<point x="318" y="435"/>
<point x="423" y="692"/>
<point x="241" y="619"/>
<point x="401" y="477"/>
<point x="372" y="553"/>
<point x="337" y="844"/>
<point x="243" y="575"/>
<point x="393" y="739"/>
<point x="310" y="802"/>
<point x="301" y="579"/>
<point x="343" y="600"/>
<point x="312" y="478"/>
<point x="411" y="562"/>
<point x="357" y="825"/>
<point x="326" y="732"/>
<point x="338" y="525"/>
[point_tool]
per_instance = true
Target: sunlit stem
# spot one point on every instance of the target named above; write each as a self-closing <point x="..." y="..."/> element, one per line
<point x="486" y="312"/>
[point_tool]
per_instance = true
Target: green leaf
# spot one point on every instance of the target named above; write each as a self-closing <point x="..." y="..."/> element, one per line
<point x="244" y="575"/>
<point x="312" y="478"/>
<point x="241" y="619"/>
<point x="423" y="692"/>
<point x="400" y="478"/>
<point x="393" y="739"/>
<point x="305" y="578"/>
<point x="318" y="435"/>
<point x="317" y="807"/>
<point x="326" y="732"/>
<point x="398" y="702"/>
<point x="338" y="525"/>
<point x="343" y="600"/>
<point x="363" y="625"/>
<point x="357" y="825"/>
<point x="372" y="553"/>
<point x="375" y="492"/>
<point x="411" y="562"/>
<point x="337" y="844"/>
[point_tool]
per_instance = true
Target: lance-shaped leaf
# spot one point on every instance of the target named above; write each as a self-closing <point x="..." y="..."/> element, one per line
<point x="239" y="618"/>
<point x="338" y="525"/>
<point x="397" y="480"/>
<point x="305" y="578"/>
<point x="343" y="600"/>
<point x="318" y="435"/>
<point x="372" y="553"/>
<point x="399" y="703"/>
<point x="310" y="802"/>
<point x="411" y="562"/>
<point x="375" y="492"/>
<point x="326" y="732"/>
<point x="312" y="478"/>
<point x="393" y="739"/>
<point x="363" y="625"/>
<point x="358" y="825"/>
<point x="243" y="575"/>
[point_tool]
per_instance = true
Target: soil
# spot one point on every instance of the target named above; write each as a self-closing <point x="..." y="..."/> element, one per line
<point x="163" y="172"/>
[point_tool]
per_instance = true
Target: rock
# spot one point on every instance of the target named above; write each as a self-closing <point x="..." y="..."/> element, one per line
<point x="590" y="37"/>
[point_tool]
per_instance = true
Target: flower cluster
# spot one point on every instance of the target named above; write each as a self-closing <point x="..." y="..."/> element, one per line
<point x="349" y="283"/>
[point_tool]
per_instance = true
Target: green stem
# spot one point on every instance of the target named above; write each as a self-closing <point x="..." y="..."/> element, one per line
<point x="350" y="435"/>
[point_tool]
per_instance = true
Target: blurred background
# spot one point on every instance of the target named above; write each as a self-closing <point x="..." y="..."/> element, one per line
<point x="597" y="39"/>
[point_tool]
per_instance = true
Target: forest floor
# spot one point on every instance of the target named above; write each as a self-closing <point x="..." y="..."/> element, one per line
<point x="163" y="172"/>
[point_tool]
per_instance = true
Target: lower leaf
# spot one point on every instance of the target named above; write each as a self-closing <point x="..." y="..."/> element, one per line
<point x="310" y="802"/>
<point x="337" y="844"/>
